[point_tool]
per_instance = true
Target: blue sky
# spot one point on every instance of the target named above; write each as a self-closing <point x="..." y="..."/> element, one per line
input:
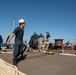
<point x="58" y="17"/>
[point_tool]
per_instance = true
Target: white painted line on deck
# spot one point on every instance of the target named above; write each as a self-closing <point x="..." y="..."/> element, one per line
<point x="67" y="54"/>
<point x="7" y="52"/>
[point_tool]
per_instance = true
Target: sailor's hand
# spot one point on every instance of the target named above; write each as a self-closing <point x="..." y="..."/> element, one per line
<point x="8" y="42"/>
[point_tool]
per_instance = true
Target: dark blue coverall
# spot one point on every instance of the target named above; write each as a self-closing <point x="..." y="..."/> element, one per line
<point x="18" y="47"/>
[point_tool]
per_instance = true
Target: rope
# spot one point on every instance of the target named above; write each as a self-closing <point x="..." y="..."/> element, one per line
<point x="8" y="69"/>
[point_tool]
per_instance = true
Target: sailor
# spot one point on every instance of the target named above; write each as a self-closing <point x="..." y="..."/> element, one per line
<point x="18" y="33"/>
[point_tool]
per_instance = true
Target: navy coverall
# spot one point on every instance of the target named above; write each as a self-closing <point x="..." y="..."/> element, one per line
<point x="18" y="48"/>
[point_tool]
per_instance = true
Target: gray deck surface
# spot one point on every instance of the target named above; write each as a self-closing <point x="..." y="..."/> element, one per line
<point x="40" y="64"/>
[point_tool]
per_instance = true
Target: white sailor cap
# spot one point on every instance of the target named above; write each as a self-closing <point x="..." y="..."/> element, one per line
<point x="21" y="21"/>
